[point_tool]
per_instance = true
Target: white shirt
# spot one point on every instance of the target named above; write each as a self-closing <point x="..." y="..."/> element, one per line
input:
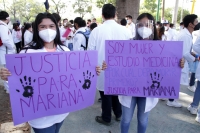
<point x="62" y="32"/>
<point x="8" y="46"/>
<point x="47" y="121"/>
<point x="15" y="38"/>
<point x="79" y="39"/>
<point x="131" y="27"/>
<point x="164" y="38"/>
<point x="195" y="35"/>
<point x="196" y="48"/>
<point x="171" y="35"/>
<point x="28" y="37"/>
<point x="186" y="37"/>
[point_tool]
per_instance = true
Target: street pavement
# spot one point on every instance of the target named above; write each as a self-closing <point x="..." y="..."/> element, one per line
<point x="163" y="119"/>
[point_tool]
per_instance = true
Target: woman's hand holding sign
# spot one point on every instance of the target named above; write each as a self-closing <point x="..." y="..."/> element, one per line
<point x="4" y="73"/>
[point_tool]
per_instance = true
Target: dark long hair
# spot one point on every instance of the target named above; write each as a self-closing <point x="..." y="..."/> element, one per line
<point x="161" y="32"/>
<point x="26" y="27"/>
<point x="150" y="17"/>
<point x="38" y="43"/>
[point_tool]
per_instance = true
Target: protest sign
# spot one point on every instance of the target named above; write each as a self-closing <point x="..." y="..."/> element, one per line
<point x="143" y="68"/>
<point x="44" y="84"/>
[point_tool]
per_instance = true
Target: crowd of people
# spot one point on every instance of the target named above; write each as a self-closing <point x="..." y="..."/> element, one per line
<point x="49" y="34"/>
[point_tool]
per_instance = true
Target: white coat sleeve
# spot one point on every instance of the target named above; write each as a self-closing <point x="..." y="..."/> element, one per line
<point x="187" y="49"/>
<point x="133" y="30"/>
<point x="27" y="38"/>
<point x="196" y="46"/>
<point x="78" y="41"/>
<point x="5" y="37"/>
<point x="61" y="35"/>
<point x="91" y="42"/>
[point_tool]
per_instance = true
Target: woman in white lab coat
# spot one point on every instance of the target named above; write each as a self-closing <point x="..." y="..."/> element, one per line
<point x="193" y="107"/>
<point x="145" y="30"/>
<point x="46" y="39"/>
<point x="27" y="34"/>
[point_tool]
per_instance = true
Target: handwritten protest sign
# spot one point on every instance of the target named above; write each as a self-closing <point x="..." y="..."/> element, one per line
<point x="44" y="84"/>
<point x="143" y="68"/>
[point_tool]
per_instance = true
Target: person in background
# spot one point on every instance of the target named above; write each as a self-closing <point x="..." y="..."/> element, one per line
<point x="46" y="39"/>
<point x="65" y="22"/>
<point x="7" y="45"/>
<point x="17" y="37"/>
<point x="62" y="29"/>
<point x="79" y="40"/>
<point x="130" y="25"/>
<point x="158" y="24"/>
<point x="92" y="26"/>
<point x="190" y="21"/>
<point x="88" y="23"/>
<point x="193" y="65"/>
<point x="193" y="107"/>
<point x="69" y="41"/>
<point x="171" y="36"/>
<point x="109" y="30"/>
<point x="123" y="22"/>
<point x="27" y="34"/>
<point x="173" y="28"/>
<point x="181" y="26"/>
<point x="94" y="20"/>
<point x="161" y="33"/>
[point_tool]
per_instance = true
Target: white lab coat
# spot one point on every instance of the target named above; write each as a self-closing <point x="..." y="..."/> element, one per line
<point x="79" y="39"/>
<point x="195" y="34"/>
<point x="171" y="35"/>
<point x="186" y="37"/>
<point x="8" y="46"/>
<point x="196" y="48"/>
<point x="28" y="37"/>
<point x="131" y="27"/>
<point x="15" y="38"/>
<point x="62" y="32"/>
<point x="110" y="30"/>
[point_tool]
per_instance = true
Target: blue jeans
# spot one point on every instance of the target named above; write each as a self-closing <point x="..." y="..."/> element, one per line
<point x="52" y="129"/>
<point x="192" y="79"/>
<point x="196" y="97"/>
<point x="127" y="115"/>
<point x="70" y="46"/>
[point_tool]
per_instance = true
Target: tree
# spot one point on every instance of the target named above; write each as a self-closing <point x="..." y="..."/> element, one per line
<point x="100" y="3"/>
<point x="150" y="5"/>
<point x="82" y="7"/>
<point x="59" y="6"/>
<point x="128" y="7"/>
<point x="169" y="12"/>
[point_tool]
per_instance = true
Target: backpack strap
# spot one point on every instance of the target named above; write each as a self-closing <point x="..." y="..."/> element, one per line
<point x="85" y="48"/>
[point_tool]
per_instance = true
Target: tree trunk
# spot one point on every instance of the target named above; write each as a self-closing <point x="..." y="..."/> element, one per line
<point x="128" y="7"/>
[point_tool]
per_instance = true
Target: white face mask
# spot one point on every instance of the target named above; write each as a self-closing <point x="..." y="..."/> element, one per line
<point x="144" y="32"/>
<point x="47" y="35"/>
<point x="128" y="21"/>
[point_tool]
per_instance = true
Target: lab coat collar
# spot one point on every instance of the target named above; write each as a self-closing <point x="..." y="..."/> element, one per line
<point x="109" y="21"/>
<point x="3" y="23"/>
<point x="83" y="29"/>
<point x="185" y="30"/>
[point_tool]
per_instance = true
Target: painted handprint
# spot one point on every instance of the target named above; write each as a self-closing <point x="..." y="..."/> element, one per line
<point x="87" y="80"/>
<point x="27" y="86"/>
<point x="156" y="79"/>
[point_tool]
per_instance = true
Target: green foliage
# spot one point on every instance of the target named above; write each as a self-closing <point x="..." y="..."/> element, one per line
<point x="59" y="6"/>
<point x="170" y="11"/>
<point x="150" y="5"/>
<point x="82" y="7"/>
<point x="100" y="3"/>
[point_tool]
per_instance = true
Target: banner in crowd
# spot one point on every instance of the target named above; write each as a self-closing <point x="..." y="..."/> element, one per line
<point x="143" y="68"/>
<point x="44" y="84"/>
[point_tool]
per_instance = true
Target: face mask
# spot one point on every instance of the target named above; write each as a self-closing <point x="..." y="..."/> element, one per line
<point x="129" y="21"/>
<point x="47" y="35"/>
<point x="64" y="24"/>
<point x="144" y="32"/>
